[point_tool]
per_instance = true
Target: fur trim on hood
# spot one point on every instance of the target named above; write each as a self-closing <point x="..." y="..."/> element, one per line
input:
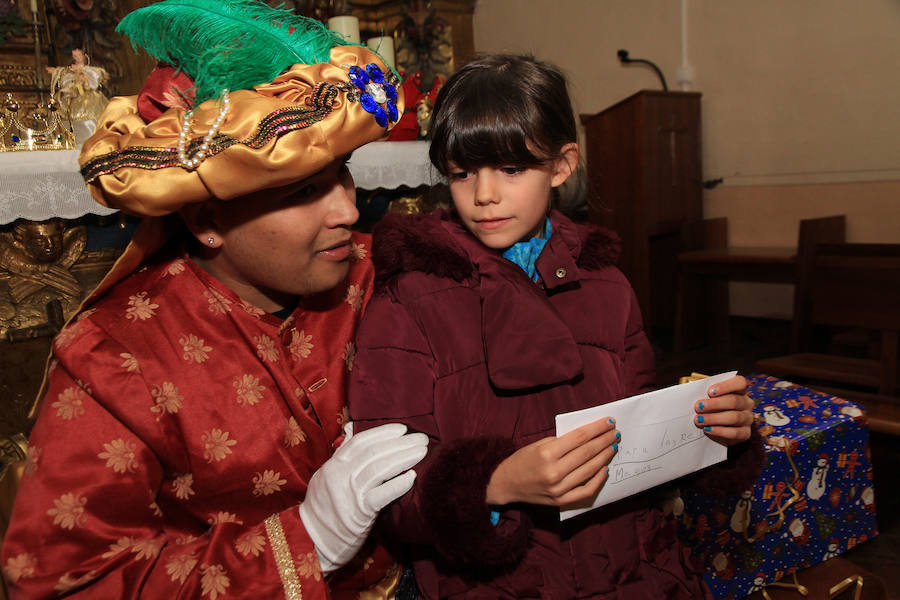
<point x="422" y="243"/>
<point x="402" y="243"/>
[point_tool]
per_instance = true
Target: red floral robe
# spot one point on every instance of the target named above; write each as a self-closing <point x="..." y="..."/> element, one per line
<point x="179" y="431"/>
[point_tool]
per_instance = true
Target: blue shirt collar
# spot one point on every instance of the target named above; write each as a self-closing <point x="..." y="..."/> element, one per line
<point x="525" y="254"/>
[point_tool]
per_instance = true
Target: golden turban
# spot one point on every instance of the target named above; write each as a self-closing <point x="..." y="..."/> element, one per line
<point x="271" y="135"/>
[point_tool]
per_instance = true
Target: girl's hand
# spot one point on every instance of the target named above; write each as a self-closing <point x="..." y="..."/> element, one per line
<point x="557" y="471"/>
<point x="727" y="414"/>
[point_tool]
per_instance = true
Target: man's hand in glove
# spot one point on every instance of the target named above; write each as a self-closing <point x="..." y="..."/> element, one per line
<point x="366" y="473"/>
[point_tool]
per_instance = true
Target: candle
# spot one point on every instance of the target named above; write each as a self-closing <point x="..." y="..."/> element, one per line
<point x="346" y="25"/>
<point x="384" y="46"/>
<point x="34" y="6"/>
<point x="29" y="140"/>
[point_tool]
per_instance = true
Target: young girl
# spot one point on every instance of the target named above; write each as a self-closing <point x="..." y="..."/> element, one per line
<point x="486" y="322"/>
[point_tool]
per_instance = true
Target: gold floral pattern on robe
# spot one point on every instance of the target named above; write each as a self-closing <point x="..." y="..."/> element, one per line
<point x="178" y="421"/>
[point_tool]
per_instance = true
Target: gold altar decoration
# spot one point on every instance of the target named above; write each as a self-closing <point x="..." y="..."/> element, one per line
<point x="36" y="259"/>
<point x="36" y="127"/>
<point x="422" y="200"/>
<point x="45" y="273"/>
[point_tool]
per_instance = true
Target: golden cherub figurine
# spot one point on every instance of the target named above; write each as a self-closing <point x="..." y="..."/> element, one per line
<point x="35" y="261"/>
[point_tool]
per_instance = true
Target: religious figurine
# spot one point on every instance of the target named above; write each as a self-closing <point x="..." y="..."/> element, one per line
<point x="415" y="121"/>
<point x="424" y="105"/>
<point x="423" y="115"/>
<point x="76" y="88"/>
<point x="35" y="262"/>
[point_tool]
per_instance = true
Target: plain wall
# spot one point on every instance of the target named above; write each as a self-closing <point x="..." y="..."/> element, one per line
<point x="800" y="106"/>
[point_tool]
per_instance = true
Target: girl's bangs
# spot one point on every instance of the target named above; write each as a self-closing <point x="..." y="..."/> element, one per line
<point x="479" y="146"/>
<point x="483" y="136"/>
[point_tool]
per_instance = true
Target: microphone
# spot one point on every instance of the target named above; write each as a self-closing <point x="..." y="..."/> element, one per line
<point x="625" y="59"/>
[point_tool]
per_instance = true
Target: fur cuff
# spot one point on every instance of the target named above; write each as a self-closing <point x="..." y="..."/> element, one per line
<point x="455" y="509"/>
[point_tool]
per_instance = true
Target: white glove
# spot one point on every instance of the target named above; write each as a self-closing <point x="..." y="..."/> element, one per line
<point x="366" y="473"/>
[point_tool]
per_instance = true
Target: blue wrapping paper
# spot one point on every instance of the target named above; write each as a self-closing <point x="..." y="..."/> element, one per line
<point x="813" y="500"/>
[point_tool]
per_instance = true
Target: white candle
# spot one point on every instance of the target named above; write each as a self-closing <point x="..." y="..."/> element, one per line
<point x="28" y="139"/>
<point x="346" y="25"/>
<point x="384" y="46"/>
<point x="34" y="6"/>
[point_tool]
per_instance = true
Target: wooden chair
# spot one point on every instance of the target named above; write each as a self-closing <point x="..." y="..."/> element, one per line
<point x="708" y="264"/>
<point x="850" y="286"/>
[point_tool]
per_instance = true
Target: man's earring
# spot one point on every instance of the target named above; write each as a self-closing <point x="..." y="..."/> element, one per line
<point x="210" y="240"/>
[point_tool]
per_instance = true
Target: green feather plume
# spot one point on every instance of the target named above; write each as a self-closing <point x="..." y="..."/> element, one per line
<point x="233" y="44"/>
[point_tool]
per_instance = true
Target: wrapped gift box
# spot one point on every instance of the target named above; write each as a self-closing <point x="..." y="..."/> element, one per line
<point x="814" y="499"/>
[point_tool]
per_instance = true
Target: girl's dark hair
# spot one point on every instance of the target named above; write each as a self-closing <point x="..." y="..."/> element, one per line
<point x="492" y="109"/>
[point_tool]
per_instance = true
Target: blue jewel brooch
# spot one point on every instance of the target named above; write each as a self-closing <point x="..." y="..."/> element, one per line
<point x="377" y="92"/>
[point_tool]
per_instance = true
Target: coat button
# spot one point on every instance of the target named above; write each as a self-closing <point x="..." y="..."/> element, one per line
<point x="560" y="273"/>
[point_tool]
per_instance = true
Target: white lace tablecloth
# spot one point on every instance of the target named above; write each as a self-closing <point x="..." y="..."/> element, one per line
<point x="44" y="184"/>
<point x="390" y="165"/>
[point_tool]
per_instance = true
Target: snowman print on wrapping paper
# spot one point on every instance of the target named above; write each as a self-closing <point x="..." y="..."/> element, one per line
<point x="816" y="486"/>
<point x="759" y="582"/>
<point x="774" y="417"/>
<point x="740" y="519"/>
<point x="832" y="549"/>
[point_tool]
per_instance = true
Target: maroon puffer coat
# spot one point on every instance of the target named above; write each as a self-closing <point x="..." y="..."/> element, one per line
<point x="457" y="342"/>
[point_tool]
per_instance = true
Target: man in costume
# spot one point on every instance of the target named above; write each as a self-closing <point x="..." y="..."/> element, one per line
<point x="189" y="442"/>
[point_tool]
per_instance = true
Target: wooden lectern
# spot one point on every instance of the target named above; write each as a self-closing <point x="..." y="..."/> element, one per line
<point x="643" y="163"/>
